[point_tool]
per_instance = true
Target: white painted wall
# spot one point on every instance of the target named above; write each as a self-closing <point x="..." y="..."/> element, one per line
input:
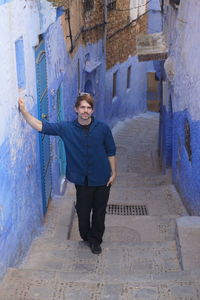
<point x="134" y="9"/>
<point x="183" y="38"/>
<point x="27" y="19"/>
<point x="142" y="7"/>
<point x="137" y="8"/>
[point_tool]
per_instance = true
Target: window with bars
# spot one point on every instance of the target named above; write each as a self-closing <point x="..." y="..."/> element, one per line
<point x="128" y="82"/>
<point x="114" y="92"/>
<point x="188" y="139"/>
<point x="88" y="5"/>
<point x="111" y="4"/>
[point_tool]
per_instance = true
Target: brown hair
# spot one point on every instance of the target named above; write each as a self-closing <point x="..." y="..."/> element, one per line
<point x="84" y="97"/>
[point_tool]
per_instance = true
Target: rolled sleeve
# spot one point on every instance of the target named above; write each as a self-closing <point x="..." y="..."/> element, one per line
<point x="51" y="128"/>
<point x="110" y="144"/>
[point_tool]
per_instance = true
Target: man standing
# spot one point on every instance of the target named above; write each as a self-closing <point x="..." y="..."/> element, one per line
<point x="90" y="153"/>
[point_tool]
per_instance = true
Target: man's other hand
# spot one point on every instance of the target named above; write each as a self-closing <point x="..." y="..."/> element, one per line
<point x="111" y="179"/>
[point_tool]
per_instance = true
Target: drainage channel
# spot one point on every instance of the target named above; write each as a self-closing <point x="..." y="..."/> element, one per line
<point x="127" y="210"/>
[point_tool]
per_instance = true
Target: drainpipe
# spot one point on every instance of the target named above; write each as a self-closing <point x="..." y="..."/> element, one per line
<point x="105" y="55"/>
<point x="105" y="25"/>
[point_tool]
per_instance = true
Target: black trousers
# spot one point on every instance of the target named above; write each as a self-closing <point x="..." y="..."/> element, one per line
<point x="91" y="205"/>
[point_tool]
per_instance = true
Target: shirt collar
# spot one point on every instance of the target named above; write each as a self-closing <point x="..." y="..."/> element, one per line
<point x="92" y="124"/>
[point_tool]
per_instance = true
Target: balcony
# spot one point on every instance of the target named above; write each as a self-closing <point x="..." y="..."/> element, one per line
<point x="151" y="47"/>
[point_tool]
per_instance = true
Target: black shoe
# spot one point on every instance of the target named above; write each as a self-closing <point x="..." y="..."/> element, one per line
<point x="96" y="249"/>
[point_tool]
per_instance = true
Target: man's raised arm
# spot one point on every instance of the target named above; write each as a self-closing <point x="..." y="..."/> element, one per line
<point x="32" y="121"/>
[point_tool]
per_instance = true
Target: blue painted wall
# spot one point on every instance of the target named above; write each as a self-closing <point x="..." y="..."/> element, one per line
<point x="21" y="214"/>
<point x="166" y="126"/>
<point x="154" y="26"/>
<point x="128" y="102"/>
<point x="154" y="16"/>
<point x="186" y="173"/>
<point x="184" y="89"/>
<point x="20" y="196"/>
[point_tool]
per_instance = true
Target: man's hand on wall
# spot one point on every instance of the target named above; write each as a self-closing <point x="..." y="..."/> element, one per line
<point x="21" y="104"/>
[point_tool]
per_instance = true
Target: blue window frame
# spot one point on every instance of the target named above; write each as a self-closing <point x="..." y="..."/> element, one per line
<point x="20" y="63"/>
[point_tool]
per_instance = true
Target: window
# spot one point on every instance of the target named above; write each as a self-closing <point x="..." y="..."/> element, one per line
<point x="20" y="63"/>
<point x="88" y="5"/>
<point x="174" y="2"/>
<point x="111" y="4"/>
<point x="79" y="79"/>
<point x="128" y="83"/>
<point x="114" y="93"/>
<point x="188" y="139"/>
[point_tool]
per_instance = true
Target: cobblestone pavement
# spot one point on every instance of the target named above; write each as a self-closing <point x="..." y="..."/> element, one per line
<point x="139" y="259"/>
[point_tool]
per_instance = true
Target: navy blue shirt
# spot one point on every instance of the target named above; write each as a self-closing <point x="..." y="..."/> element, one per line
<point x="86" y="152"/>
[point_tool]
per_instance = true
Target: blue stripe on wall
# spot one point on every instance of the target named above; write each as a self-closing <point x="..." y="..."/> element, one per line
<point x="4" y="1"/>
<point x="20" y="63"/>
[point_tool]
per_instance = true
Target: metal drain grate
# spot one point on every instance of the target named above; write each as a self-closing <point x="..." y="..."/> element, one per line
<point x="127" y="210"/>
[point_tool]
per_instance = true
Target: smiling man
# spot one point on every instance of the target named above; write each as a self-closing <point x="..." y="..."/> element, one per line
<point x="90" y="153"/>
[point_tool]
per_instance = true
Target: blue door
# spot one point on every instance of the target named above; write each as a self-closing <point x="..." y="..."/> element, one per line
<point x="61" y="149"/>
<point x="44" y="140"/>
<point x="88" y="87"/>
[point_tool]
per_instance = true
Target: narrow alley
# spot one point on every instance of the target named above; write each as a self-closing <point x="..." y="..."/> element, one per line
<point x="140" y="257"/>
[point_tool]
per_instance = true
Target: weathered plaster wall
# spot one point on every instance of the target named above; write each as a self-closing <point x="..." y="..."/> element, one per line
<point x="20" y="193"/>
<point x="121" y="35"/>
<point x="182" y="26"/>
<point x="128" y="102"/>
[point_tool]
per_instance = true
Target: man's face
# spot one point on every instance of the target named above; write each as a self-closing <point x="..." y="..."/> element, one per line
<point x="84" y="110"/>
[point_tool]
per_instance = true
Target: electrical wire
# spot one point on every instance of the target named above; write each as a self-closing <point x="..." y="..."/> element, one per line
<point x="128" y="9"/>
<point x="96" y="26"/>
<point x="127" y="25"/>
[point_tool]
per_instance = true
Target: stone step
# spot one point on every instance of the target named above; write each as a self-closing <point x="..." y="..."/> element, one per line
<point x="136" y="124"/>
<point x="122" y="259"/>
<point x="141" y="162"/>
<point x="47" y="285"/>
<point x="134" y="228"/>
<point x="137" y="180"/>
<point x="47" y="243"/>
<point x="158" y="201"/>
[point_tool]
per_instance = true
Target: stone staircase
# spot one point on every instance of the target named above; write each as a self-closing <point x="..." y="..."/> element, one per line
<point x="141" y="256"/>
